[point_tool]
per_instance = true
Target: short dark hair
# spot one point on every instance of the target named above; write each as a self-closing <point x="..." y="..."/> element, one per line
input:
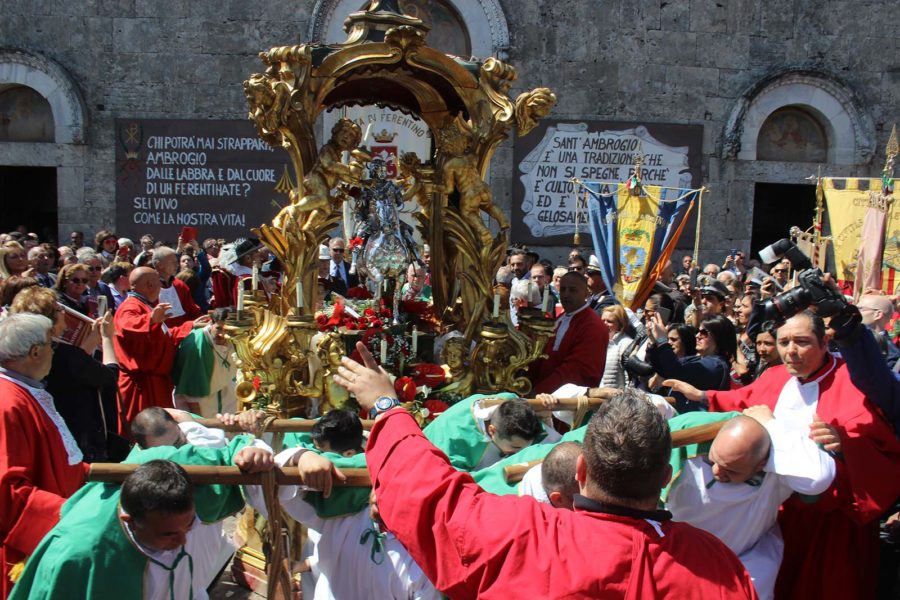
<point x="558" y="469"/>
<point x="577" y="259"/>
<point x="818" y="325"/>
<point x="159" y="485"/>
<point x="342" y="429"/>
<point x="114" y="271"/>
<point x="516" y="418"/>
<point x="627" y="448"/>
<point x="723" y="333"/>
<point x="150" y="422"/>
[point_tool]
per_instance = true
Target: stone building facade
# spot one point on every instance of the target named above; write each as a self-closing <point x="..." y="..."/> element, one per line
<point x="740" y="69"/>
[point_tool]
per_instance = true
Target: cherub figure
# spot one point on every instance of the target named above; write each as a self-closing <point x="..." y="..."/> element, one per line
<point x="414" y="185"/>
<point x="325" y="175"/>
<point x="459" y="380"/>
<point x="460" y="173"/>
<point x="330" y="350"/>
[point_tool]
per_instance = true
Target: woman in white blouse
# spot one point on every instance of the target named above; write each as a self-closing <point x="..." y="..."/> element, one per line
<point x="620" y="337"/>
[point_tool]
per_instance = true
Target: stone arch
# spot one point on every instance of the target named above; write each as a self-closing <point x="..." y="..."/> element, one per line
<point x="850" y="133"/>
<point x="52" y="82"/>
<point x="484" y="19"/>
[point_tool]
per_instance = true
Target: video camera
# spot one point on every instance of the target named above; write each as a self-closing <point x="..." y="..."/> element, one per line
<point x="809" y="291"/>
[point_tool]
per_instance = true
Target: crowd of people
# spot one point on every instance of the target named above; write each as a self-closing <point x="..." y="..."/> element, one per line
<point x="106" y="352"/>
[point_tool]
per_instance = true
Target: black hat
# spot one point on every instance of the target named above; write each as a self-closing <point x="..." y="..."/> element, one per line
<point x="714" y="287"/>
<point x="244" y="246"/>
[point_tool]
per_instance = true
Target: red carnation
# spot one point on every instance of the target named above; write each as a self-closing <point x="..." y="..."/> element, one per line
<point x="435" y="408"/>
<point x="429" y="374"/>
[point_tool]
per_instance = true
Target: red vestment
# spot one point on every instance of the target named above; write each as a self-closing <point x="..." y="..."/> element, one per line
<point x="191" y="310"/>
<point x="580" y="359"/>
<point x="146" y="354"/>
<point x="472" y="544"/>
<point x="35" y="476"/>
<point x="831" y="546"/>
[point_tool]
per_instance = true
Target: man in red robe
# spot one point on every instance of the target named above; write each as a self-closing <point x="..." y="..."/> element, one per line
<point x="146" y="348"/>
<point x="614" y="544"/>
<point x="40" y="463"/>
<point x="577" y="351"/>
<point x="173" y="291"/>
<point x="831" y="545"/>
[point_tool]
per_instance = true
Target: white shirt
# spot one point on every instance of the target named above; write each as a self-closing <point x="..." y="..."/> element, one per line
<point x="337" y="270"/>
<point x="797" y="401"/>
<point x="744" y="516"/>
<point x="532" y="485"/>
<point x="570" y="390"/>
<point x="344" y="566"/>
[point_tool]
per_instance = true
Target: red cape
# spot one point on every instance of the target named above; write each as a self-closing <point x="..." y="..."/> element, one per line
<point x="35" y="476"/>
<point x="831" y="546"/>
<point x="146" y="354"/>
<point x="472" y="544"/>
<point x="580" y="359"/>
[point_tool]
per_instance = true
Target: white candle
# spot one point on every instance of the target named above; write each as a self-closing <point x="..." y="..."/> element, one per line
<point x="299" y="290"/>
<point x="415" y="341"/>
<point x="496" y="312"/>
<point x="383" y="351"/>
<point x="384" y="285"/>
<point x="240" y="299"/>
<point x="546" y="303"/>
<point x="254" y="281"/>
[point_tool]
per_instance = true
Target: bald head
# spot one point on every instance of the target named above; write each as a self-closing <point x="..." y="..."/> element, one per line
<point x="876" y="310"/>
<point x="740" y="450"/>
<point x="145" y="281"/>
<point x="154" y="427"/>
<point x="558" y="474"/>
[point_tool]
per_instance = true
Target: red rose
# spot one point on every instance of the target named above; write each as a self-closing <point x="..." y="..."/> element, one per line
<point x="386" y="312"/>
<point x="377" y="323"/>
<point x="405" y="388"/>
<point x="256" y="382"/>
<point x="370" y="312"/>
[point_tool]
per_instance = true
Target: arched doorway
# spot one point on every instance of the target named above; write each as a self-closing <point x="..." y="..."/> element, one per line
<point x="27" y="194"/>
<point x="784" y="129"/>
<point x="42" y="134"/>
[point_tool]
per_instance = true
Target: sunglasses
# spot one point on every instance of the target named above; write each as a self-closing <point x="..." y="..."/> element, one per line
<point x="702" y="333"/>
<point x="340" y="250"/>
<point x="79" y="280"/>
<point x="97" y="269"/>
<point x="779" y="270"/>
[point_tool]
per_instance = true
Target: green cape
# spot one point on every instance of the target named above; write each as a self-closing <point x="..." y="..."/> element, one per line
<point x="88" y="555"/>
<point x="455" y="432"/>
<point x="193" y="365"/>
<point x="491" y="478"/>
<point x="344" y="500"/>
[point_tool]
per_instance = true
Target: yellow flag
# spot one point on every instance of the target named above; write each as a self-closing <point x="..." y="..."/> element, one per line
<point x="637" y="226"/>
<point x="846" y="201"/>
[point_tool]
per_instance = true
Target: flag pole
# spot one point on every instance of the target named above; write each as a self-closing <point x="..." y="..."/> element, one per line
<point x="697" y="231"/>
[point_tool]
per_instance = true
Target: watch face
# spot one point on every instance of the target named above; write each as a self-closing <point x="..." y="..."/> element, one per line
<point x="384" y="403"/>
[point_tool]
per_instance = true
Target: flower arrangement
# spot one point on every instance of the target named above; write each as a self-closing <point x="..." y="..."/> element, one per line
<point x="354" y="316"/>
<point x="415" y="398"/>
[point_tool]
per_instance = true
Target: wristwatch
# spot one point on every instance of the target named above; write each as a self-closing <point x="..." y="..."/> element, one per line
<point x="383" y="404"/>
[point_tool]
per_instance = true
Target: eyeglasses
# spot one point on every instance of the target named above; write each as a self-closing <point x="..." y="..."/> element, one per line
<point x="702" y="333"/>
<point x="79" y="280"/>
<point x="779" y="270"/>
<point x="95" y="269"/>
<point x="339" y="250"/>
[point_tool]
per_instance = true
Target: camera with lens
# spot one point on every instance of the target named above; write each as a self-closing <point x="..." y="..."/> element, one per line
<point x="809" y="291"/>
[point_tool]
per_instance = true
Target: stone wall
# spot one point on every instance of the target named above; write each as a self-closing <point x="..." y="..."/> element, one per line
<point x="681" y="61"/>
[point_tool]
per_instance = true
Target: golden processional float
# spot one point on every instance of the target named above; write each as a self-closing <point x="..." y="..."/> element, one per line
<point x="285" y="363"/>
<point x="385" y="61"/>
